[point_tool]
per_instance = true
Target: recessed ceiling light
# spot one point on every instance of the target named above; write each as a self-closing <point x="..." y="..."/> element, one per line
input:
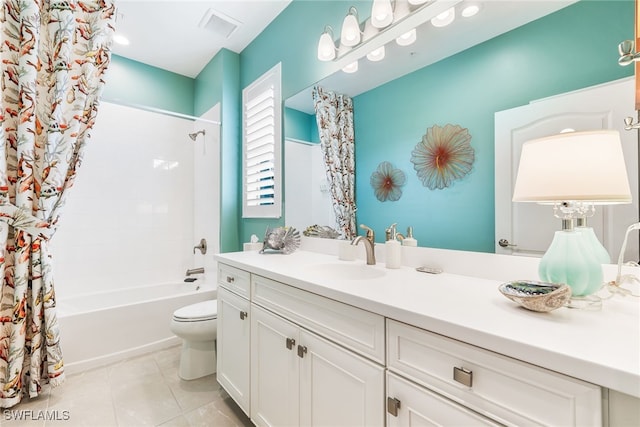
<point x="120" y="39"/>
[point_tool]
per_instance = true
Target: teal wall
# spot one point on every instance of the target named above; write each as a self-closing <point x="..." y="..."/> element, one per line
<point x="573" y="48"/>
<point x="134" y="83"/>
<point x="217" y="83"/>
<point x="300" y="126"/>
<point x="570" y="49"/>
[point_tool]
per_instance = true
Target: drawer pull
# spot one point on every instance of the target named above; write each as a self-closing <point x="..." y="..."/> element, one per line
<point x="290" y="343"/>
<point x="393" y="405"/>
<point x="301" y="351"/>
<point x="463" y="376"/>
<point x="243" y="315"/>
<point x="230" y="279"/>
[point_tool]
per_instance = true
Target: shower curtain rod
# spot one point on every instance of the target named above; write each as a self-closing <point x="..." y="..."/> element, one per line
<point x="159" y="111"/>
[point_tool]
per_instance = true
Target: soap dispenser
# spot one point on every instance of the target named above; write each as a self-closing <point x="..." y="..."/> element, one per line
<point x="409" y="240"/>
<point x="392" y="249"/>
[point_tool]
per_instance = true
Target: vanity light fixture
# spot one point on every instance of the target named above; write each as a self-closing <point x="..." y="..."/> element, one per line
<point x="573" y="171"/>
<point x="351" y="68"/>
<point x="326" y="46"/>
<point x="407" y="38"/>
<point x="445" y="18"/>
<point x="376" y="54"/>
<point x="381" y="13"/>
<point x="350" y="35"/>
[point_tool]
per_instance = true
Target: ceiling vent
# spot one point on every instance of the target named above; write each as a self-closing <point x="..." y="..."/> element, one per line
<point x="219" y="24"/>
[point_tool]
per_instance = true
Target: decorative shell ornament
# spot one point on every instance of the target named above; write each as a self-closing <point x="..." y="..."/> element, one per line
<point x="537" y="296"/>
<point x="443" y="156"/>
<point x="323" y="231"/>
<point x="281" y="239"/>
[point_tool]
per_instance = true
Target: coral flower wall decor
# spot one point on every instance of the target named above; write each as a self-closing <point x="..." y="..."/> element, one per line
<point x="443" y="156"/>
<point x="387" y="182"/>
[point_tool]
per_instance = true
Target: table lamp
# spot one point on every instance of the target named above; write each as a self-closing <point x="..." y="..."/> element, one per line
<point x="573" y="171"/>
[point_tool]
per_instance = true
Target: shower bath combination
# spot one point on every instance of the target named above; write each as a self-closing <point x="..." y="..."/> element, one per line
<point x="194" y="135"/>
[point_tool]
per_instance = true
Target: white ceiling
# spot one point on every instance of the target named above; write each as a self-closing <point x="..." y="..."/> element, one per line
<point x="166" y="34"/>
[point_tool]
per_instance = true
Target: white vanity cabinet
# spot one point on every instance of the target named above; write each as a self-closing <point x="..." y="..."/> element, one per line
<point x="314" y="361"/>
<point x="502" y="389"/>
<point x="233" y="340"/>
<point x="299" y="378"/>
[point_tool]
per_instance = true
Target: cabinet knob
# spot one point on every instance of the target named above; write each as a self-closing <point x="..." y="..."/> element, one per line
<point x="290" y="343"/>
<point x="243" y="315"/>
<point x="230" y="279"/>
<point x="393" y="405"/>
<point x="301" y="351"/>
<point x="463" y="376"/>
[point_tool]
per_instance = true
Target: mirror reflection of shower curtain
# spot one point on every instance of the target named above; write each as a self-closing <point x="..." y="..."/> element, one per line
<point x="334" y="115"/>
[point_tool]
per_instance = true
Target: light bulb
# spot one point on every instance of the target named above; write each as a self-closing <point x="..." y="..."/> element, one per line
<point x="376" y="54"/>
<point x="407" y="38"/>
<point x="445" y="18"/>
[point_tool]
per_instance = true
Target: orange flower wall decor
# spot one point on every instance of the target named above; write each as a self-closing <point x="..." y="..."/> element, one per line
<point x="443" y="156"/>
<point x="387" y="182"/>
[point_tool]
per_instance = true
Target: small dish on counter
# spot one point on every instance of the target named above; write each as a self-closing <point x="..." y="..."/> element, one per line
<point x="537" y="296"/>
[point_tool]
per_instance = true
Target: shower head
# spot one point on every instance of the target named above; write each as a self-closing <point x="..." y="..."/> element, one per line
<point x="194" y="135"/>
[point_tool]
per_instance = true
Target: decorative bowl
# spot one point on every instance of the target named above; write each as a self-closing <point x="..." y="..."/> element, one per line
<point x="537" y="296"/>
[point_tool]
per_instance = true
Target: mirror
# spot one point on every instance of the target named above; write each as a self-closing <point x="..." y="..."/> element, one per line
<point x="465" y="87"/>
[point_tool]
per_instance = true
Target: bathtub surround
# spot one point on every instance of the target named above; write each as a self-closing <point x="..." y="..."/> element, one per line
<point x="53" y="68"/>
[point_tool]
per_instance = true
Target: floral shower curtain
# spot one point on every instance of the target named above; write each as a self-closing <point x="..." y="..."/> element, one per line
<point x="334" y="114"/>
<point x="54" y="54"/>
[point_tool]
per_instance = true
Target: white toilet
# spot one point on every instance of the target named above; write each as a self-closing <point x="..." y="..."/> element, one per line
<point x="196" y="325"/>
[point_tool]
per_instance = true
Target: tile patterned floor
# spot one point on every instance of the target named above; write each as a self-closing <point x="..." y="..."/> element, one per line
<point x="142" y="391"/>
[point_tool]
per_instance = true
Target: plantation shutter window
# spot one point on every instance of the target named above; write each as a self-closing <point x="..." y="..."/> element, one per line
<point x="262" y="146"/>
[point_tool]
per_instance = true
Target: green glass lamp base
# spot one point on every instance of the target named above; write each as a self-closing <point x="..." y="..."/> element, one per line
<point x="570" y="260"/>
<point x="598" y="250"/>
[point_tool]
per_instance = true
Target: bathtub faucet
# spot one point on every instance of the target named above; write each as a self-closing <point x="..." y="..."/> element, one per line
<point x="191" y="271"/>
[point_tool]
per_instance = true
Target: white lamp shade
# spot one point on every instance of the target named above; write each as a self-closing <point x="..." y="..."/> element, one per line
<point x="351" y="68"/>
<point x="445" y="18"/>
<point x="574" y="166"/>
<point x="407" y="38"/>
<point x="326" y="48"/>
<point x="350" y="35"/>
<point x="381" y="13"/>
<point x="376" y="54"/>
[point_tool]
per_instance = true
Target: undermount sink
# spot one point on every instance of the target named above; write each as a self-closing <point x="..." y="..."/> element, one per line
<point x="346" y="271"/>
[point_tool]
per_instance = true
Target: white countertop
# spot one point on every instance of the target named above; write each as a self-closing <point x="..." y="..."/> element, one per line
<point x="599" y="346"/>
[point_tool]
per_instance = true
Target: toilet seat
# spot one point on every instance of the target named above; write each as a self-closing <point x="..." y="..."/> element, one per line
<point x="199" y="312"/>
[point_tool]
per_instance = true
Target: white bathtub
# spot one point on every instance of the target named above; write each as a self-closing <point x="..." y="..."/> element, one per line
<point x="105" y="327"/>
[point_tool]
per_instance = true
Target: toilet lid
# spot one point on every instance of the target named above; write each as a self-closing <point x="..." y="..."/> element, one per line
<point x="205" y="310"/>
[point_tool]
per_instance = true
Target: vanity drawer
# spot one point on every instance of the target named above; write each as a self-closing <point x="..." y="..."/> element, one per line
<point x="234" y="279"/>
<point x="504" y="389"/>
<point x="356" y="329"/>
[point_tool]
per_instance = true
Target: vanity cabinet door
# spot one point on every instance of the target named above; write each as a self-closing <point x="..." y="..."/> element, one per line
<point x="233" y="346"/>
<point x="409" y="404"/>
<point x="274" y="369"/>
<point x="337" y="386"/>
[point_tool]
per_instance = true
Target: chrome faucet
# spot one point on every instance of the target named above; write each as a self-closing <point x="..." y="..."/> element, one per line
<point x="369" y="244"/>
<point x="191" y="271"/>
